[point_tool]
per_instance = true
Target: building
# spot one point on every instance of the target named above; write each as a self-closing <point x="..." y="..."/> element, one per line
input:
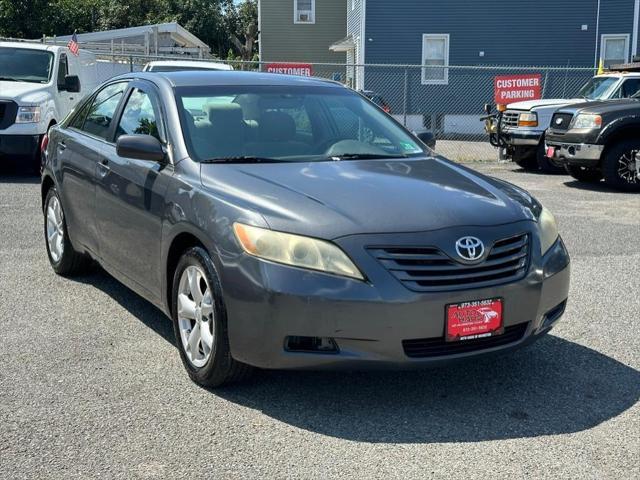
<point x="302" y="31"/>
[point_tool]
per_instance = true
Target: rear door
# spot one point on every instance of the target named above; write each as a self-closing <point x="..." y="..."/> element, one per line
<point x="130" y="194"/>
<point x="78" y="152"/>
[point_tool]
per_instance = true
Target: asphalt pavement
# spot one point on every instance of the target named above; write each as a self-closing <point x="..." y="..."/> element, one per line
<point x="91" y="385"/>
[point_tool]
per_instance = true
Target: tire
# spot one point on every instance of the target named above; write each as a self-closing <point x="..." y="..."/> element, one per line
<point x="197" y="304"/>
<point x="583" y="174"/>
<point x="545" y="164"/>
<point x="64" y="259"/>
<point x="526" y="162"/>
<point x="618" y="166"/>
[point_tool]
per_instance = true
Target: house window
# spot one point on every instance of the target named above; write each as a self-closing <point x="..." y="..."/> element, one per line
<point x="304" y="11"/>
<point x="614" y="49"/>
<point x="435" y="53"/>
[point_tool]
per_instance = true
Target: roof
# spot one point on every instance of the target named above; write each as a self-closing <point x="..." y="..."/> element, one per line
<point x="31" y="46"/>
<point x="190" y="40"/>
<point x="190" y="63"/>
<point x="343" y="45"/>
<point x="201" y="78"/>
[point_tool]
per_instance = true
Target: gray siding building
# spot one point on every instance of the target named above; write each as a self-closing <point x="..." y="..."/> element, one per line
<point x="301" y="30"/>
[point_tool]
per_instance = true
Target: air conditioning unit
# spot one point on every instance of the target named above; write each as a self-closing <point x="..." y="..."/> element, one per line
<point x="305" y="16"/>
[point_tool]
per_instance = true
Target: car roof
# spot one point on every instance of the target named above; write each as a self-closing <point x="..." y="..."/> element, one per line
<point x="193" y="78"/>
<point x="189" y="63"/>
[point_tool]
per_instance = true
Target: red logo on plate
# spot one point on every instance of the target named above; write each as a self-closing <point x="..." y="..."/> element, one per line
<point x="470" y="320"/>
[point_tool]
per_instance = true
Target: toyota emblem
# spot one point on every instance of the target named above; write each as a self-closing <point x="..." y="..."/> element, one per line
<point x="470" y="248"/>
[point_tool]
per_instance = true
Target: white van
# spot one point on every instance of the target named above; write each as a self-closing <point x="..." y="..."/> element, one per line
<point x="39" y="85"/>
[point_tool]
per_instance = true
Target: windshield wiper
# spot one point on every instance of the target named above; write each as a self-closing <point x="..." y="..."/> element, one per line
<point x="364" y="156"/>
<point x="241" y="159"/>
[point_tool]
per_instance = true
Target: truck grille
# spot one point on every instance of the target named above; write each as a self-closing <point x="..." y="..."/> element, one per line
<point x="8" y="110"/>
<point x="428" y="269"/>
<point x="561" y="121"/>
<point x="509" y="119"/>
<point x="439" y="347"/>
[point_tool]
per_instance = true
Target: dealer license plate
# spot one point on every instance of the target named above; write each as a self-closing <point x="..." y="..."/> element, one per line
<point x="551" y="152"/>
<point x="472" y="320"/>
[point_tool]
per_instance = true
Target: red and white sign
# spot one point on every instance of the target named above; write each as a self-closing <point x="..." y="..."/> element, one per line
<point x="517" y="88"/>
<point x="471" y="320"/>
<point x="301" y="69"/>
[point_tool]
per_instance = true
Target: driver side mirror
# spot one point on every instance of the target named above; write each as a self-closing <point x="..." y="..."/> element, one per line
<point x="140" y="147"/>
<point x="427" y="137"/>
<point x="72" y="83"/>
<point x="487" y="108"/>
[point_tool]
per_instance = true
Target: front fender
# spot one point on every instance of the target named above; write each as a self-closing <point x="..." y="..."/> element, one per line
<point x="617" y="124"/>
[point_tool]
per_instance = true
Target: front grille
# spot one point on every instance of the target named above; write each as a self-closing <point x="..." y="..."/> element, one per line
<point x="438" y="347"/>
<point x="561" y="121"/>
<point x="8" y="110"/>
<point x="3" y="107"/>
<point x="428" y="269"/>
<point x="509" y="119"/>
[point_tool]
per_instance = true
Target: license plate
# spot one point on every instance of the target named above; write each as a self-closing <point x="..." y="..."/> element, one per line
<point x="551" y="152"/>
<point x="472" y="320"/>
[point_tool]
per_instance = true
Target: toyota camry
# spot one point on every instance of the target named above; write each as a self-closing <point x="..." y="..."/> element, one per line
<point x="288" y="223"/>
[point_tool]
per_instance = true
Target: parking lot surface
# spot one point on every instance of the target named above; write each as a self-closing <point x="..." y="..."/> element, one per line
<point x="91" y="384"/>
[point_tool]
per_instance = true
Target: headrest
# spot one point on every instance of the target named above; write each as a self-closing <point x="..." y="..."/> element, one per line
<point x="224" y="114"/>
<point x="277" y="127"/>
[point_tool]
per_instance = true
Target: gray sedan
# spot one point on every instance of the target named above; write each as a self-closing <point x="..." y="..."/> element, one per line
<point x="286" y="222"/>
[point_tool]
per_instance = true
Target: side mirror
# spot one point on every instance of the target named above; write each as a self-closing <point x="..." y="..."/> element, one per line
<point x="487" y="108"/>
<point x="140" y="147"/>
<point x="427" y="137"/>
<point x="72" y="83"/>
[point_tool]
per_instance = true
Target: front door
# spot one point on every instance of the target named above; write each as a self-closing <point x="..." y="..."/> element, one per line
<point x="130" y="196"/>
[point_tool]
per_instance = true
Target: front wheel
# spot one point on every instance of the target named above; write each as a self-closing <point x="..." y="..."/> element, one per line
<point x="584" y="174"/>
<point x="200" y="323"/>
<point x="620" y="166"/>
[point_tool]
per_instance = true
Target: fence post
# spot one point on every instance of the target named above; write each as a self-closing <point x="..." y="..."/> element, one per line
<point x="404" y="97"/>
<point x="544" y="85"/>
<point x="130" y="63"/>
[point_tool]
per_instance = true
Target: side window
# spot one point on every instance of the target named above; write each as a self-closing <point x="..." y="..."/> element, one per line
<point x="103" y="109"/>
<point x="77" y="120"/>
<point x="630" y="87"/>
<point x="138" y="116"/>
<point x="63" y="70"/>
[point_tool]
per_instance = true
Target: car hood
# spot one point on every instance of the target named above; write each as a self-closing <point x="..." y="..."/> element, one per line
<point x="547" y="102"/>
<point x="334" y="199"/>
<point x="23" y="92"/>
<point x="604" y="106"/>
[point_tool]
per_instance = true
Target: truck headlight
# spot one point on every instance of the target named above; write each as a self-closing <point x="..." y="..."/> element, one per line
<point x="528" y="119"/>
<point x="587" y="120"/>
<point x="548" y="230"/>
<point x="28" y="115"/>
<point x="295" y="250"/>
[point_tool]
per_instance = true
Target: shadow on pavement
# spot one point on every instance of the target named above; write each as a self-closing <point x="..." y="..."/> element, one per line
<point x="18" y="177"/>
<point x="552" y="387"/>
<point x="594" y="187"/>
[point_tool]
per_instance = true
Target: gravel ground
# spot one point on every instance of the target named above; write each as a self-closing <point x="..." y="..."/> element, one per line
<point x="91" y="384"/>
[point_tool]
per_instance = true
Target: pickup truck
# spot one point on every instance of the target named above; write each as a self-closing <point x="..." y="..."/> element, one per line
<point x="39" y="85"/>
<point x="598" y="139"/>
<point x="523" y="124"/>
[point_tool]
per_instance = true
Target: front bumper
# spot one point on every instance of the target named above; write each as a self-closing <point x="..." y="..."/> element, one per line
<point x="266" y="303"/>
<point x="584" y="154"/>
<point x="19" y="145"/>
<point x="520" y="137"/>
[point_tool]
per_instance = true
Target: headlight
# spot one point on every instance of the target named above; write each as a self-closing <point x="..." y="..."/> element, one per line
<point x="548" y="230"/>
<point x="528" y="120"/>
<point x="28" y="115"/>
<point x="303" y="252"/>
<point x="587" y="120"/>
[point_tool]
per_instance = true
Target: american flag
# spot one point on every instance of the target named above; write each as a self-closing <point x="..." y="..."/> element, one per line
<point x="73" y="45"/>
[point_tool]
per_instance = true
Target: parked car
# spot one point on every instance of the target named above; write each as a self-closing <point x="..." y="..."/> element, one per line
<point x="523" y="124"/>
<point x="39" y="85"/>
<point x="297" y="226"/>
<point x="599" y="139"/>
<point x="181" y="65"/>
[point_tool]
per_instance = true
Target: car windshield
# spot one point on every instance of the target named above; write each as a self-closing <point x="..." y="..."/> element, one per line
<point x="25" y="65"/>
<point x="286" y="123"/>
<point x="597" y="88"/>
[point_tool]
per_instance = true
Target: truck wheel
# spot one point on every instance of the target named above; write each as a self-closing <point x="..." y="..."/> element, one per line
<point x="545" y="164"/>
<point x="584" y="174"/>
<point x="526" y="162"/>
<point x="619" y="166"/>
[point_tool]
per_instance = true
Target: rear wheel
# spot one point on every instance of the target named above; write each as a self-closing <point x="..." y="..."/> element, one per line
<point x="620" y="166"/>
<point x="200" y="323"/>
<point x="584" y="174"/>
<point x="63" y="258"/>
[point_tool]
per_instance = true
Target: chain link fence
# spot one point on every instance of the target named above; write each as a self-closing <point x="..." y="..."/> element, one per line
<point x="446" y="100"/>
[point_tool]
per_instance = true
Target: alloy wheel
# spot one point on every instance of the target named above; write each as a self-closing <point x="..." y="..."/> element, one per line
<point x="55" y="229"/>
<point x="196" y="316"/>
<point x="627" y="167"/>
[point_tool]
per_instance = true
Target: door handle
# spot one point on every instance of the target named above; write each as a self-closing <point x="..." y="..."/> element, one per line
<point x="103" y="168"/>
<point x="104" y="162"/>
<point x="62" y="146"/>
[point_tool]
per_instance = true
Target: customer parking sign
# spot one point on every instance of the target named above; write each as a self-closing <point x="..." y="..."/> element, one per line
<point x="516" y="88"/>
